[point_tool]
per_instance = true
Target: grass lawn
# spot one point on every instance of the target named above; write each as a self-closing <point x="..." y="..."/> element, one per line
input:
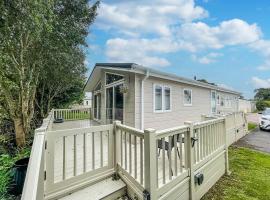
<point x="252" y="126"/>
<point x="77" y="116"/>
<point x="250" y="178"/>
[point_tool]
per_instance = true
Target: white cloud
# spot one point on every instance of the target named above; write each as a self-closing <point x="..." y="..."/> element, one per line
<point x="263" y="47"/>
<point x="139" y="51"/>
<point x="225" y="86"/>
<point x="265" y="66"/>
<point x="231" y="32"/>
<point x="207" y="59"/>
<point x="260" y="83"/>
<point x="171" y="24"/>
<point x="152" y="16"/>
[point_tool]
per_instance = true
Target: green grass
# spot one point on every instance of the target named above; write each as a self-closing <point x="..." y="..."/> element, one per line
<point x="250" y="178"/>
<point x="6" y="163"/>
<point x="77" y="116"/>
<point x="252" y="126"/>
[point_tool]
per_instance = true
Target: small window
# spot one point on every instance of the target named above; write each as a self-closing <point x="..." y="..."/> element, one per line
<point x="158" y="98"/>
<point x="187" y="97"/>
<point x="111" y="78"/>
<point x="98" y="87"/>
<point x="222" y="102"/>
<point x="167" y="99"/>
<point x="218" y="99"/>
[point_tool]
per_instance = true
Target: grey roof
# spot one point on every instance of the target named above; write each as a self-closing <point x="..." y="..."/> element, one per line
<point x="133" y="67"/>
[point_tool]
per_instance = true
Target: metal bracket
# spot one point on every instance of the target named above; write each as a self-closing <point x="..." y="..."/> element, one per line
<point x="146" y="195"/>
<point x="45" y="175"/>
<point x="115" y="177"/>
<point x="193" y="140"/>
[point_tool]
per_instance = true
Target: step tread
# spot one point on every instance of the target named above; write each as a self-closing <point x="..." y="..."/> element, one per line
<point x="97" y="191"/>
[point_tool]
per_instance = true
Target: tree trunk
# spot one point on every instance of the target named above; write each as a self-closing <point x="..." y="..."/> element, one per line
<point x="20" y="132"/>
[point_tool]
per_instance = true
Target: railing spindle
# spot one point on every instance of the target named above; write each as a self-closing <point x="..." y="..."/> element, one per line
<point x="84" y="153"/>
<point x="125" y="150"/>
<point x="170" y="157"/>
<point x="93" y="150"/>
<point x="121" y="147"/>
<point x="175" y="153"/>
<point x="75" y="156"/>
<point x="181" y="152"/>
<point x="64" y="158"/>
<point x="101" y="149"/>
<point x="141" y="161"/>
<point x="163" y="161"/>
<point x="130" y="154"/>
<point x="135" y="156"/>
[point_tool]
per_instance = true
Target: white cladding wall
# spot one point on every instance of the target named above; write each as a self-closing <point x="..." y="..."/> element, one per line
<point x="227" y="103"/>
<point x="179" y="113"/>
<point x="246" y="106"/>
<point x="201" y="104"/>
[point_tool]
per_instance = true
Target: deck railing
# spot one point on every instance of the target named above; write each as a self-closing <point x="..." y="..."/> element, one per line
<point x="130" y="154"/>
<point x="209" y="140"/>
<point x="154" y="163"/>
<point x="76" y="156"/>
<point x="34" y="181"/>
<point x="72" y="114"/>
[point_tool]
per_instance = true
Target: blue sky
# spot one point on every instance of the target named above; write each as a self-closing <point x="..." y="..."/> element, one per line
<point x="223" y="41"/>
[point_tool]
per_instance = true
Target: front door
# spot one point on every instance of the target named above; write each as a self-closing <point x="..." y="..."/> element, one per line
<point x="114" y="103"/>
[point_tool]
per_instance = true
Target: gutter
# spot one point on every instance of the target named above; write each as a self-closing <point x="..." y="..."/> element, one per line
<point x="142" y="99"/>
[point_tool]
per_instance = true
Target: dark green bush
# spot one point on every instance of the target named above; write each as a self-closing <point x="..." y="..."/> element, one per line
<point x="261" y="105"/>
<point x="6" y="163"/>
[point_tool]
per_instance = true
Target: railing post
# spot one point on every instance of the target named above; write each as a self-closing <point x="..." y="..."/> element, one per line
<point x="150" y="169"/>
<point x="227" y="171"/>
<point x="117" y="142"/>
<point x="190" y="159"/>
<point x="203" y="117"/>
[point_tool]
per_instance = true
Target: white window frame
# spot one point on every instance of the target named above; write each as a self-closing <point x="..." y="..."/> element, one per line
<point x="163" y="106"/>
<point x="191" y="99"/>
<point x="213" y="91"/>
<point x="116" y="82"/>
<point x="162" y="98"/>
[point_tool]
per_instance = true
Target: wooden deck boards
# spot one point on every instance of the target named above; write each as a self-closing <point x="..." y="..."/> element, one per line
<point x="74" y="124"/>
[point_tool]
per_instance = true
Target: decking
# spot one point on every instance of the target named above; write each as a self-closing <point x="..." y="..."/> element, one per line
<point x="77" y="158"/>
<point x="84" y="123"/>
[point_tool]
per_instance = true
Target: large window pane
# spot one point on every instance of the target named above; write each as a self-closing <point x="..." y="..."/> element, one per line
<point x="111" y="78"/>
<point x="158" y="98"/>
<point x="187" y="97"/>
<point x="167" y="92"/>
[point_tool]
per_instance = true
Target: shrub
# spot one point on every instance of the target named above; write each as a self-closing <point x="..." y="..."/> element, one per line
<point x="6" y="163"/>
<point x="261" y="105"/>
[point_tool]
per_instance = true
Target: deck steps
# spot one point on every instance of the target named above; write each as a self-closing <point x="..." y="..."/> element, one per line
<point x="103" y="190"/>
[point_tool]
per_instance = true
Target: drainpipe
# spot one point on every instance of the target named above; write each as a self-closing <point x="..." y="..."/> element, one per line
<point x="142" y="99"/>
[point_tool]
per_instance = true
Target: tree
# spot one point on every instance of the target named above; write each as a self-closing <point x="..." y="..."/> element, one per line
<point x="64" y="77"/>
<point x="37" y="37"/>
<point x="22" y="25"/>
<point x="262" y="94"/>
